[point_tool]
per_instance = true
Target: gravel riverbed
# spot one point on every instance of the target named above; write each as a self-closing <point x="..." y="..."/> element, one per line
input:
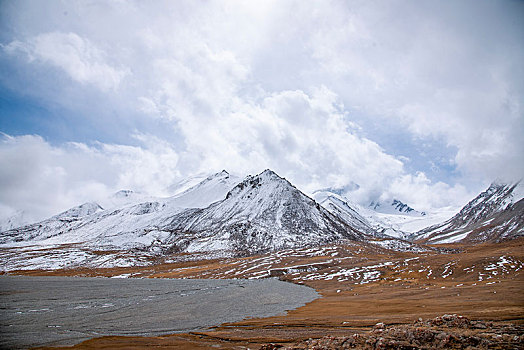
<point x="36" y="311"/>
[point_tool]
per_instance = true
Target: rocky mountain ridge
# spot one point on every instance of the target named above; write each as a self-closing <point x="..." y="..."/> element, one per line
<point x="396" y="206"/>
<point x="494" y="215"/>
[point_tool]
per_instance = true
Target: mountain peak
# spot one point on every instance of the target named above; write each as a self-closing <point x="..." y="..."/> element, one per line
<point x="515" y="188"/>
<point x="220" y="174"/>
<point x="271" y="181"/>
<point x="123" y="193"/>
<point x="498" y="182"/>
<point x="268" y="173"/>
<point x="401" y="206"/>
<point x="262" y="213"/>
<point x="396" y="207"/>
<point x="81" y="210"/>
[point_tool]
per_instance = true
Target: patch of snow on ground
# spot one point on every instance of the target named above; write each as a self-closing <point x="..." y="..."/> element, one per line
<point x="448" y="269"/>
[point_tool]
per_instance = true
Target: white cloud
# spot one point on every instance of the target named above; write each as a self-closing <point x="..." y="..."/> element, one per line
<point x="43" y="179"/>
<point x="422" y="194"/>
<point x="246" y="86"/>
<point x="450" y="71"/>
<point x="78" y="57"/>
<point x="307" y="139"/>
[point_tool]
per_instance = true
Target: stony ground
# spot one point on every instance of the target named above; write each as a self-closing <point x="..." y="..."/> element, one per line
<point x="443" y="332"/>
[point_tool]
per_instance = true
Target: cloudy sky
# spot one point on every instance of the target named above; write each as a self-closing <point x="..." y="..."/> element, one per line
<point x="415" y="100"/>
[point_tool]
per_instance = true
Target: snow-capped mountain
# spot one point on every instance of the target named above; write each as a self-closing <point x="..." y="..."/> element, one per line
<point x="395" y="207"/>
<point x="122" y="198"/>
<point x="53" y="226"/>
<point x="130" y="225"/>
<point x="79" y="212"/>
<point x="262" y="213"/>
<point x="212" y="189"/>
<point x="494" y="215"/>
<point x="345" y="210"/>
<point x="187" y="183"/>
<point x="15" y="220"/>
<point x="398" y="221"/>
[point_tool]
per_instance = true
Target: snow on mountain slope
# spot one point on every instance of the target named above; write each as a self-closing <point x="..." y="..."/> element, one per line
<point x="344" y="209"/>
<point x="79" y="212"/>
<point x="53" y="226"/>
<point x="210" y="190"/>
<point x="400" y="220"/>
<point x="262" y="213"/>
<point x="396" y="223"/>
<point x="404" y="225"/>
<point x="16" y="220"/>
<point x="395" y="207"/>
<point x="494" y="215"/>
<point x="123" y="198"/>
<point x="129" y="226"/>
<point x="187" y="183"/>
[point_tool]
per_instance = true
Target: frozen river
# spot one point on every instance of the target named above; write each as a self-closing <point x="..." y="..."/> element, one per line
<point x="38" y="311"/>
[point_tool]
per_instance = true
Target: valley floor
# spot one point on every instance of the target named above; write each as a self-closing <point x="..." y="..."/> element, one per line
<point x="361" y="285"/>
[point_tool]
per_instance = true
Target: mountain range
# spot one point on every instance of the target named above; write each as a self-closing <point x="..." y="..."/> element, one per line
<point x="226" y="215"/>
